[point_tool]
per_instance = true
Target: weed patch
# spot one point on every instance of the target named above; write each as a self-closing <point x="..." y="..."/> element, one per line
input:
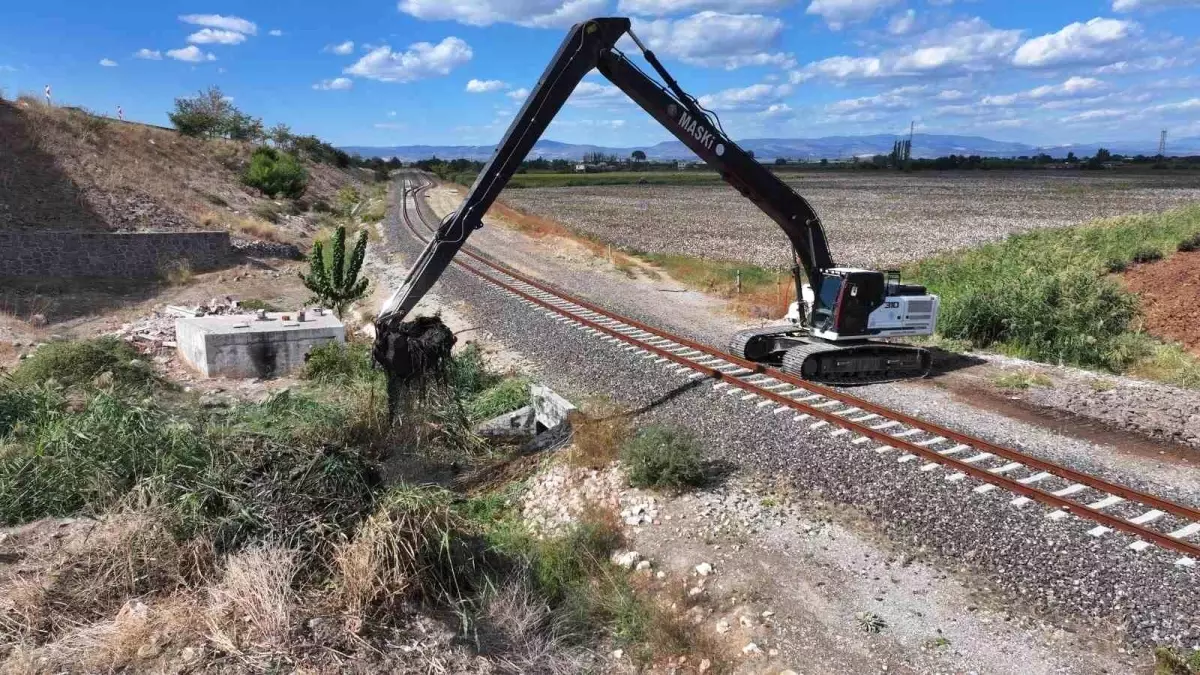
<point x="662" y="459"/>
<point x="178" y="273"/>
<point x="1022" y="379"/>
<point x="334" y="362"/>
<point x="255" y="304"/>
<point x="73" y="363"/>
<point x="505" y="396"/>
<point x="1045" y="295"/>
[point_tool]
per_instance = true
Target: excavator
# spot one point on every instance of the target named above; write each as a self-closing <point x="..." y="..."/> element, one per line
<point x="833" y="330"/>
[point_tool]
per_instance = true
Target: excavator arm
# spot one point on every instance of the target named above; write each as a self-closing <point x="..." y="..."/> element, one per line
<point x="592" y="44"/>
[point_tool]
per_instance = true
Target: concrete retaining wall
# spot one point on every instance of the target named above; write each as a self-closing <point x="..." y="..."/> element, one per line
<point x="134" y="255"/>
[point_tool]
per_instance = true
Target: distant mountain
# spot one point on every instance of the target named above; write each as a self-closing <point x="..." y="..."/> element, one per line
<point x="828" y="147"/>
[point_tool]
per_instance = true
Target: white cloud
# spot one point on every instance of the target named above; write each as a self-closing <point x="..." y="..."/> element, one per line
<point x="210" y="36"/>
<point x="1097" y="41"/>
<point x="776" y="110"/>
<point x="340" y="49"/>
<point x="903" y="23"/>
<point x="108" y="63"/>
<point x="588" y="124"/>
<point x="485" y="86"/>
<point x="421" y="60"/>
<point x="233" y="23"/>
<point x="594" y="95"/>
<point x="1133" y="5"/>
<point x="391" y="113"/>
<point x="337" y="83"/>
<point x="533" y="13"/>
<point x="1095" y="115"/>
<point x="149" y="54"/>
<point x="963" y="47"/>
<point x="838" y="13"/>
<point x="1190" y="105"/>
<point x="518" y="94"/>
<point x="754" y="98"/>
<point x="275" y="32"/>
<point x="900" y="98"/>
<point x="950" y="95"/>
<point x="1073" y="87"/>
<point x="665" y="7"/>
<point x="390" y="125"/>
<point x="1144" y="65"/>
<point x="191" y="54"/>
<point x="716" y="40"/>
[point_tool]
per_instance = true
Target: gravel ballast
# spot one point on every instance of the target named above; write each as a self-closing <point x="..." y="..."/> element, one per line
<point x="1041" y="564"/>
<point x="871" y="218"/>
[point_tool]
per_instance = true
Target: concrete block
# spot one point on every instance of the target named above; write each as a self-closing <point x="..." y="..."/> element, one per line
<point x="549" y="409"/>
<point x="244" y="346"/>
<point x="517" y="424"/>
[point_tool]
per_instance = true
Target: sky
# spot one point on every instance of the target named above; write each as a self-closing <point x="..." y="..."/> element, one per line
<point x="454" y="72"/>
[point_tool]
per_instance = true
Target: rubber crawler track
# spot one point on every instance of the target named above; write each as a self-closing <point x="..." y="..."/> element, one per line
<point x="848" y="414"/>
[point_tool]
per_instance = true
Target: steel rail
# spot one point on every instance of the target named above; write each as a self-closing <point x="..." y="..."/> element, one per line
<point x="1011" y="484"/>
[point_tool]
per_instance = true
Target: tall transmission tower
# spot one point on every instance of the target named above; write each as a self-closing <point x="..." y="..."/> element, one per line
<point x="1162" y="145"/>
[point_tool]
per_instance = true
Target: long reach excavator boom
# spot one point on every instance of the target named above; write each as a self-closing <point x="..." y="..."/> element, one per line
<point x="839" y="309"/>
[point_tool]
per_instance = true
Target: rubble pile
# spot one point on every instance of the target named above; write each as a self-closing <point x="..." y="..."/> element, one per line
<point x="155" y="332"/>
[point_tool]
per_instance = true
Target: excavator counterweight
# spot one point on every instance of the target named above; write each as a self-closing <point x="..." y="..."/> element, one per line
<point x="840" y="312"/>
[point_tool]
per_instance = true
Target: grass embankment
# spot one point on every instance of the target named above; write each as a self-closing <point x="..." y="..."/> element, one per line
<point x="264" y="535"/>
<point x="1051" y="295"/>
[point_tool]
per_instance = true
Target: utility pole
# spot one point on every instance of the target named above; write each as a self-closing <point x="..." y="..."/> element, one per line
<point x="911" y="125"/>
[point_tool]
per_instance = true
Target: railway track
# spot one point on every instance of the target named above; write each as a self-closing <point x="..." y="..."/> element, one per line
<point x="931" y="448"/>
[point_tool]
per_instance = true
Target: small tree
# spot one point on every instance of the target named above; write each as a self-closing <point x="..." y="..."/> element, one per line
<point x="274" y="172"/>
<point x="638" y="156"/>
<point x="281" y="136"/>
<point x="332" y="282"/>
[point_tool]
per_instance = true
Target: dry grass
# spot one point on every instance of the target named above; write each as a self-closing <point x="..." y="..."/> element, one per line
<point x="402" y="551"/>
<point x="89" y="574"/>
<point x="106" y="167"/>
<point x="599" y="431"/>
<point x="250" y="610"/>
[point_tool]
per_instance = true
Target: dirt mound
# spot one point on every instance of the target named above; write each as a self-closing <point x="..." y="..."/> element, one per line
<point x="63" y="168"/>
<point x="1169" y="290"/>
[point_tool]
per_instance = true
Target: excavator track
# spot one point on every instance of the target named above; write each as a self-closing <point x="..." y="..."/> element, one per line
<point x="864" y="363"/>
<point x="753" y="343"/>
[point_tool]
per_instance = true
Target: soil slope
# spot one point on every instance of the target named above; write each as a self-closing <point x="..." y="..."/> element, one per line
<point x="1169" y="290"/>
<point x="62" y="168"/>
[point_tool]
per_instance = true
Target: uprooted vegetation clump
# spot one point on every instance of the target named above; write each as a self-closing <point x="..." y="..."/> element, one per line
<point x="263" y="536"/>
<point x="663" y="459"/>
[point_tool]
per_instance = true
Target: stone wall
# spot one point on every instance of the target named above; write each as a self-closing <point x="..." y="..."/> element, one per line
<point x="134" y="255"/>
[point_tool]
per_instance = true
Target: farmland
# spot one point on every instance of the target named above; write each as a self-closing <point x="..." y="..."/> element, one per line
<point x="871" y="219"/>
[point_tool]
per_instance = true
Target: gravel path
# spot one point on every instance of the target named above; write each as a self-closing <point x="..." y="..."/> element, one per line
<point x="1040" y="564"/>
<point x="872" y="219"/>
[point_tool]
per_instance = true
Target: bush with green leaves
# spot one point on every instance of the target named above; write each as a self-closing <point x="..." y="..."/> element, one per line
<point x="1046" y="295"/>
<point x="276" y="173"/>
<point x="334" y="282"/>
<point x="336" y="362"/>
<point x="663" y="459"/>
<point x="74" y="362"/>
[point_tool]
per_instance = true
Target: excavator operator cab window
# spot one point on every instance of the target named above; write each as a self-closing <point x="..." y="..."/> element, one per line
<point x="825" y="306"/>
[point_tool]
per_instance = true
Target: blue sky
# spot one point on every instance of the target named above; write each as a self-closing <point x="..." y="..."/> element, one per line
<point x="382" y="72"/>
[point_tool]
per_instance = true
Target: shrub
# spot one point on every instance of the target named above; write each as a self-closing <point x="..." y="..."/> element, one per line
<point x="276" y="173"/>
<point x="337" y="362"/>
<point x="1074" y="317"/>
<point x="1022" y="380"/>
<point x="1147" y="255"/>
<point x="347" y="198"/>
<point x="178" y="273"/>
<point x="268" y="211"/>
<point x="81" y="362"/>
<point x="1189" y="244"/>
<point x="659" y="458"/>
